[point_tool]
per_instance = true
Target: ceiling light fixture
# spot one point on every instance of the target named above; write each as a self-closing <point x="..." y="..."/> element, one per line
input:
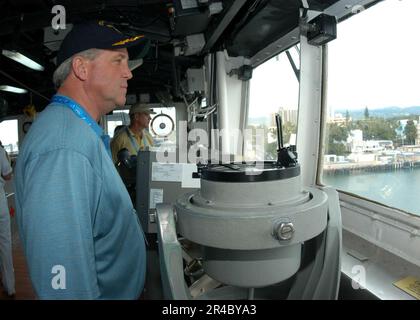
<point x="13" y="89"/>
<point x="18" y="57"/>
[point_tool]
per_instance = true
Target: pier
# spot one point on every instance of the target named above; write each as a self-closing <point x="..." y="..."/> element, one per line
<point x="360" y="167"/>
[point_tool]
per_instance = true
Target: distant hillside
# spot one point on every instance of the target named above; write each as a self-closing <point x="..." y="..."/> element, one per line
<point x="389" y="112"/>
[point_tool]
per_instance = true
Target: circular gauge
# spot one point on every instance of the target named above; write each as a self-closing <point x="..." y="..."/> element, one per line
<point x="162" y="125"/>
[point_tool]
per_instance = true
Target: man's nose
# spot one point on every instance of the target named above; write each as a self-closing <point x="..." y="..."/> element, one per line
<point x="127" y="72"/>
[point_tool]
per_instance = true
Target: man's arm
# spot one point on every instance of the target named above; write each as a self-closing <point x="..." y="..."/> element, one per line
<point x="58" y="205"/>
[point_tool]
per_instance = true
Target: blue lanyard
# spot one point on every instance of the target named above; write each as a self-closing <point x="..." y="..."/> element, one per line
<point x="82" y="114"/>
<point x="134" y="143"/>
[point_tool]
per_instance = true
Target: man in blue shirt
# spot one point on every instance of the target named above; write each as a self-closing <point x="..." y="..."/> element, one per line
<point x="80" y="233"/>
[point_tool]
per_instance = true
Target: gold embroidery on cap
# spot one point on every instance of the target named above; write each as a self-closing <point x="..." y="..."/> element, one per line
<point x="127" y="40"/>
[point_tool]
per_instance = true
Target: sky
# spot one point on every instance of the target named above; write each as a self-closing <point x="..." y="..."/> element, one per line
<point x="374" y="63"/>
<point x="273" y="85"/>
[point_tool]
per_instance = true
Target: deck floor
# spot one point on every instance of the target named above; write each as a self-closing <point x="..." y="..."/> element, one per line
<point x="24" y="289"/>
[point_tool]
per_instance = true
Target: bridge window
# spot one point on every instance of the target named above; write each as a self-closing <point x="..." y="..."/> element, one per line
<point x="9" y="135"/>
<point x="115" y="120"/>
<point x="274" y="88"/>
<point x="372" y="143"/>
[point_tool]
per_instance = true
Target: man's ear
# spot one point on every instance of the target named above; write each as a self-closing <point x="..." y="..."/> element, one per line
<point x="80" y="67"/>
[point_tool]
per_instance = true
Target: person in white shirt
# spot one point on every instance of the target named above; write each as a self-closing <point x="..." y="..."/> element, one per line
<point x="6" y="261"/>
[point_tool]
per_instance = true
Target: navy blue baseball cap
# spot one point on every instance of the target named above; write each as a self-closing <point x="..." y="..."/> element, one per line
<point x="95" y="34"/>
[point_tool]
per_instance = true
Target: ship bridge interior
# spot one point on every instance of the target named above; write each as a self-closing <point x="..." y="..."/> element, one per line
<point x="308" y="238"/>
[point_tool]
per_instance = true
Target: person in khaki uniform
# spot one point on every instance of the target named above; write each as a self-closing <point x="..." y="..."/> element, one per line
<point x="135" y="137"/>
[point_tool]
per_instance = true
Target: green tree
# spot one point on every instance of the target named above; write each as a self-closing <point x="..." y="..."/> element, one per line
<point x="270" y="149"/>
<point x="366" y="113"/>
<point x="337" y="136"/>
<point x="337" y="133"/>
<point x="378" y="129"/>
<point x="338" y="149"/>
<point x="288" y="129"/>
<point x="410" y="132"/>
<point x="347" y="118"/>
<point x="400" y="134"/>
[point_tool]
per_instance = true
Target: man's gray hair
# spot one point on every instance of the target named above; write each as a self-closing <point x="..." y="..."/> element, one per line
<point x="63" y="70"/>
